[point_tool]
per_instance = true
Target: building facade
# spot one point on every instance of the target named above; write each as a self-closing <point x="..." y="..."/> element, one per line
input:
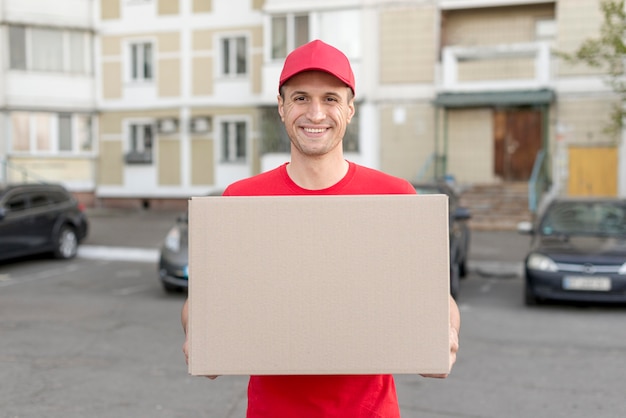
<point x="185" y="92"/>
<point x="47" y="93"/>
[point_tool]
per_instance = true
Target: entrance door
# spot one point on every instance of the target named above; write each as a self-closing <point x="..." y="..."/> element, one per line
<point x="517" y="139"/>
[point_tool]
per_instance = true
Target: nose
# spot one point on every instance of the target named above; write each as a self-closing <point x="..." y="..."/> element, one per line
<point x="315" y="111"/>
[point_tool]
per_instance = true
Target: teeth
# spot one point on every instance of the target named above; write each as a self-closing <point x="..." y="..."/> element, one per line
<point x="314" y="131"/>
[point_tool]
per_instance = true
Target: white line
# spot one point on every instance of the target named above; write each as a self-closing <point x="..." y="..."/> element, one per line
<point x="94" y="252"/>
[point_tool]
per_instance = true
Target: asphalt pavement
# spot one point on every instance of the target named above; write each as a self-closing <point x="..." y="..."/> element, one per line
<point x="137" y="234"/>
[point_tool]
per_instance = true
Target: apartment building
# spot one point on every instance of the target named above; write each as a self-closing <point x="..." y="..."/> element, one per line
<point x="47" y="93"/>
<point x="143" y="103"/>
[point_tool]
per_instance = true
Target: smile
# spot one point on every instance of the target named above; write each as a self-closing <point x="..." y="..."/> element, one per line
<point x="314" y="130"/>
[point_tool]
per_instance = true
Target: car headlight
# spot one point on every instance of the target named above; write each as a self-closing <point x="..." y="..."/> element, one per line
<point x="541" y="262"/>
<point x="622" y="270"/>
<point x="172" y="240"/>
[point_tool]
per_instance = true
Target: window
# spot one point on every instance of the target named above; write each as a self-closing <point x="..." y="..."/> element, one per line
<point x="38" y="200"/>
<point x="43" y="138"/>
<point x="17" y="203"/>
<point x="47" y="49"/>
<point x="65" y="132"/>
<point x="17" y="46"/>
<point x="234" y="56"/>
<point x="288" y="32"/>
<point x="140" y="143"/>
<point x="44" y="49"/>
<point x="78" y="49"/>
<point x="51" y="133"/>
<point x="141" y="61"/>
<point x="234" y="141"/>
<point x="83" y="132"/>
<point x="20" y="131"/>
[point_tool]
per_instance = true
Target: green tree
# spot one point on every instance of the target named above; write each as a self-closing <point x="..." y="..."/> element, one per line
<point x="608" y="52"/>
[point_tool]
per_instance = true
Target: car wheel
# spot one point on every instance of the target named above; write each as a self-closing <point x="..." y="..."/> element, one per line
<point x="455" y="280"/>
<point x="530" y="299"/>
<point x="66" y="243"/>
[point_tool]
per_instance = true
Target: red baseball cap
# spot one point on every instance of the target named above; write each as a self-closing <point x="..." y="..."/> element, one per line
<point x="317" y="56"/>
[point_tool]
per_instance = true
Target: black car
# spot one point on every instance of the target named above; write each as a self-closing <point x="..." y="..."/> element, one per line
<point x="173" y="258"/>
<point x="578" y="252"/>
<point x="40" y="218"/>
<point x="458" y="229"/>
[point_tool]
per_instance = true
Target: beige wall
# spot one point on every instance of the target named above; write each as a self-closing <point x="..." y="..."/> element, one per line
<point x="407" y="55"/>
<point x="202" y="76"/>
<point x="55" y="169"/>
<point x="169" y="77"/>
<point x="169" y="161"/>
<point x="111" y="123"/>
<point x="111" y="167"/>
<point x="202" y="158"/>
<point x="169" y="42"/>
<point x="494" y="25"/>
<point x="112" y="80"/>
<point x="168" y="7"/>
<point x="406" y="145"/>
<point x="583" y="120"/>
<point x="201" y="6"/>
<point x="110" y="9"/>
<point x="258" y="4"/>
<point x="497" y="69"/>
<point x="470" y="146"/>
<point x="578" y="21"/>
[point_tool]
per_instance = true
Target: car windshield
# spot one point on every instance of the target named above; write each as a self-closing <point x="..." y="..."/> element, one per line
<point x="585" y="218"/>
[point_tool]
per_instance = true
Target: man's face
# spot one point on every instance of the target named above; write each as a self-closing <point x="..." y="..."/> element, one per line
<point x="316" y="110"/>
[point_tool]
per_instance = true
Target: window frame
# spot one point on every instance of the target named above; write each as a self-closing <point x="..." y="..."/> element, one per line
<point x="231" y="60"/>
<point x="53" y="134"/>
<point x="66" y="46"/>
<point x="130" y="61"/>
<point x="137" y="154"/>
<point x="229" y="147"/>
<point x="291" y="42"/>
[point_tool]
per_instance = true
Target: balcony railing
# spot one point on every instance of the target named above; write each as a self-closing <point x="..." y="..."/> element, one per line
<point x="496" y="67"/>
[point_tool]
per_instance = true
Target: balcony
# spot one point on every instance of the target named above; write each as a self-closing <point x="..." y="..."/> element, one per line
<point x="493" y="68"/>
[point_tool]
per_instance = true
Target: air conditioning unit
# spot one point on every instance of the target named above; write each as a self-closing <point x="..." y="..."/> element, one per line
<point x="200" y="124"/>
<point x="167" y="125"/>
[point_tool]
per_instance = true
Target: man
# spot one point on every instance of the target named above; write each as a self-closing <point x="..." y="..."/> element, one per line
<point x="316" y="104"/>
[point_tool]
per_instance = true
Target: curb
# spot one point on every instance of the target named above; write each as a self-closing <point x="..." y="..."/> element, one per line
<point x="95" y="252"/>
<point x="498" y="269"/>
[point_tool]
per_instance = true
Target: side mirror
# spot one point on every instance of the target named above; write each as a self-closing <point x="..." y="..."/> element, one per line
<point x="525" y="228"/>
<point x="462" y="214"/>
<point x="3" y="213"/>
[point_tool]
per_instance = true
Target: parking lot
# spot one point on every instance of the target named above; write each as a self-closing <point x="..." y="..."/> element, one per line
<point x="97" y="337"/>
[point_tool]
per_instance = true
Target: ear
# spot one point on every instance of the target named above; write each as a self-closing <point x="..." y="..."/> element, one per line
<point x="351" y="110"/>
<point x="281" y="110"/>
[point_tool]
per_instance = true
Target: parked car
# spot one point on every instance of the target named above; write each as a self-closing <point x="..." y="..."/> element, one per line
<point x="174" y="255"/>
<point x="459" y="231"/>
<point x="578" y="252"/>
<point x="40" y="218"/>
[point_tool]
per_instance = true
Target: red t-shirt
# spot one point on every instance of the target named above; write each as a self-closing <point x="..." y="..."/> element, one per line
<point x="340" y="396"/>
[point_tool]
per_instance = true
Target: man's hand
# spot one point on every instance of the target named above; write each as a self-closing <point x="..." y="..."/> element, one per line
<point x="455" y="326"/>
<point x="184" y="318"/>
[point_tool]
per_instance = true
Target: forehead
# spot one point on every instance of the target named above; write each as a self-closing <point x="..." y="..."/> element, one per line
<point x="315" y="80"/>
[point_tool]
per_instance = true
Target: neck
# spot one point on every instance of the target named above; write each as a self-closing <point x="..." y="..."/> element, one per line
<point x="319" y="173"/>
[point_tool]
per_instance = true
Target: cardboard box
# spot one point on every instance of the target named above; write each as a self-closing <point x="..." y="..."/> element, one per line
<point x="318" y="285"/>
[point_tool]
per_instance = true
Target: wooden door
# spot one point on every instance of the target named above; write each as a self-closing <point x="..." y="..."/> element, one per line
<point x="592" y="171"/>
<point x="517" y="139"/>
